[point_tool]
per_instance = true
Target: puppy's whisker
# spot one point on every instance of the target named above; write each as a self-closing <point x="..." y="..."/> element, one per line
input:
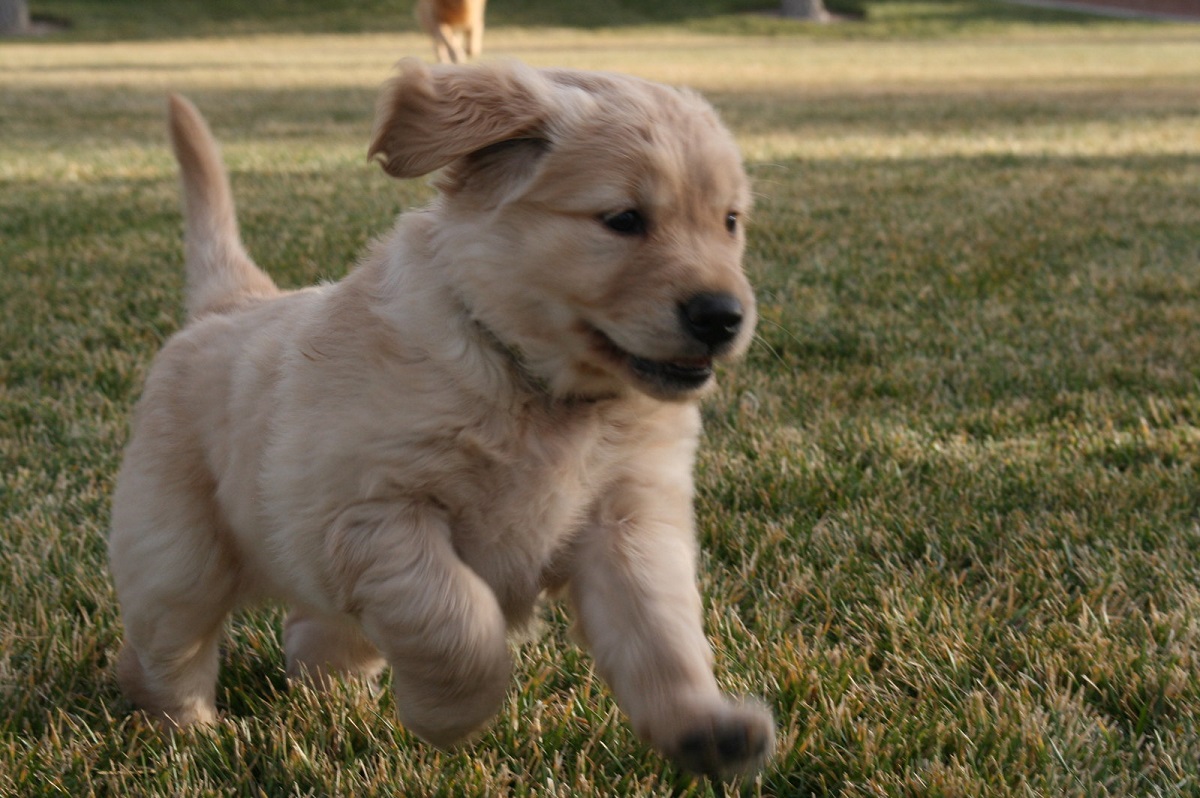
<point x="785" y="329"/>
<point x="759" y="339"/>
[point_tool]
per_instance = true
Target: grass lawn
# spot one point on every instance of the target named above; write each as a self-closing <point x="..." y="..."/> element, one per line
<point x="950" y="504"/>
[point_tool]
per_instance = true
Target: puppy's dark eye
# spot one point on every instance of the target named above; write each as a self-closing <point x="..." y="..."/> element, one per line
<point x="628" y="222"/>
<point x="731" y="222"/>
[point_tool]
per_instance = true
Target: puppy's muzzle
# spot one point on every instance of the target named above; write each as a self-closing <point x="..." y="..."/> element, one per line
<point x="712" y="319"/>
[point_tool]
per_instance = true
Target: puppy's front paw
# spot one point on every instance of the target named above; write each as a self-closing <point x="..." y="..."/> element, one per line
<point x="734" y="741"/>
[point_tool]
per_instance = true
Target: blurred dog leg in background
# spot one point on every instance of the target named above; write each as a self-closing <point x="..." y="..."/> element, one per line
<point x="454" y="25"/>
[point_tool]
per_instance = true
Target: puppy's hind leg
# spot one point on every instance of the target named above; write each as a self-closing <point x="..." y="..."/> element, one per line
<point x="320" y="647"/>
<point x="176" y="584"/>
<point x="438" y="624"/>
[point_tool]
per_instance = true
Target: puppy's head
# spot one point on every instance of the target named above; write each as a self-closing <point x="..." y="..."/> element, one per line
<point x="590" y="222"/>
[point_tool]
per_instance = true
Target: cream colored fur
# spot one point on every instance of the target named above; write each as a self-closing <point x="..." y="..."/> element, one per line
<point x="456" y="27"/>
<point x="499" y="400"/>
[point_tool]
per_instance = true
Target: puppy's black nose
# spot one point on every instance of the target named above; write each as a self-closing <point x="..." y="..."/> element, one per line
<point x="713" y="319"/>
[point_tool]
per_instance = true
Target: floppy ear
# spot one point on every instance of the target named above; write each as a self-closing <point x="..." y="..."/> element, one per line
<point x="428" y="117"/>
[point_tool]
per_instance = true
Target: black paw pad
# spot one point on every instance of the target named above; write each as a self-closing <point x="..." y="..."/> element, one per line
<point x="723" y="750"/>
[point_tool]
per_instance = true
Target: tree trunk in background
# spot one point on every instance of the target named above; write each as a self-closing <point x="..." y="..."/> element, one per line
<point x="14" y="17"/>
<point x="796" y="9"/>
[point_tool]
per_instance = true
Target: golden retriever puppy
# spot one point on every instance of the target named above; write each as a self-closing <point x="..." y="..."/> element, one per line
<point x="501" y="399"/>
<point x="456" y="27"/>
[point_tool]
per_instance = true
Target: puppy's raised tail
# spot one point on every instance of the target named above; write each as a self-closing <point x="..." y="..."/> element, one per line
<point x="219" y="272"/>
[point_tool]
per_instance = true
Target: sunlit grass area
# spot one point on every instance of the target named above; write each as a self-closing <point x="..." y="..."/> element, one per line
<point x="950" y="504"/>
<point x="1079" y="94"/>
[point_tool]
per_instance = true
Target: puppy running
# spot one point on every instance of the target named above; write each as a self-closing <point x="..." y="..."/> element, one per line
<point x="499" y="400"/>
<point x="456" y="27"/>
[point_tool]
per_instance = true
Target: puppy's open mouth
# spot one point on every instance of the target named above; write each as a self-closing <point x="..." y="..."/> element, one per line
<point x="686" y="374"/>
<point x="671" y="376"/>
